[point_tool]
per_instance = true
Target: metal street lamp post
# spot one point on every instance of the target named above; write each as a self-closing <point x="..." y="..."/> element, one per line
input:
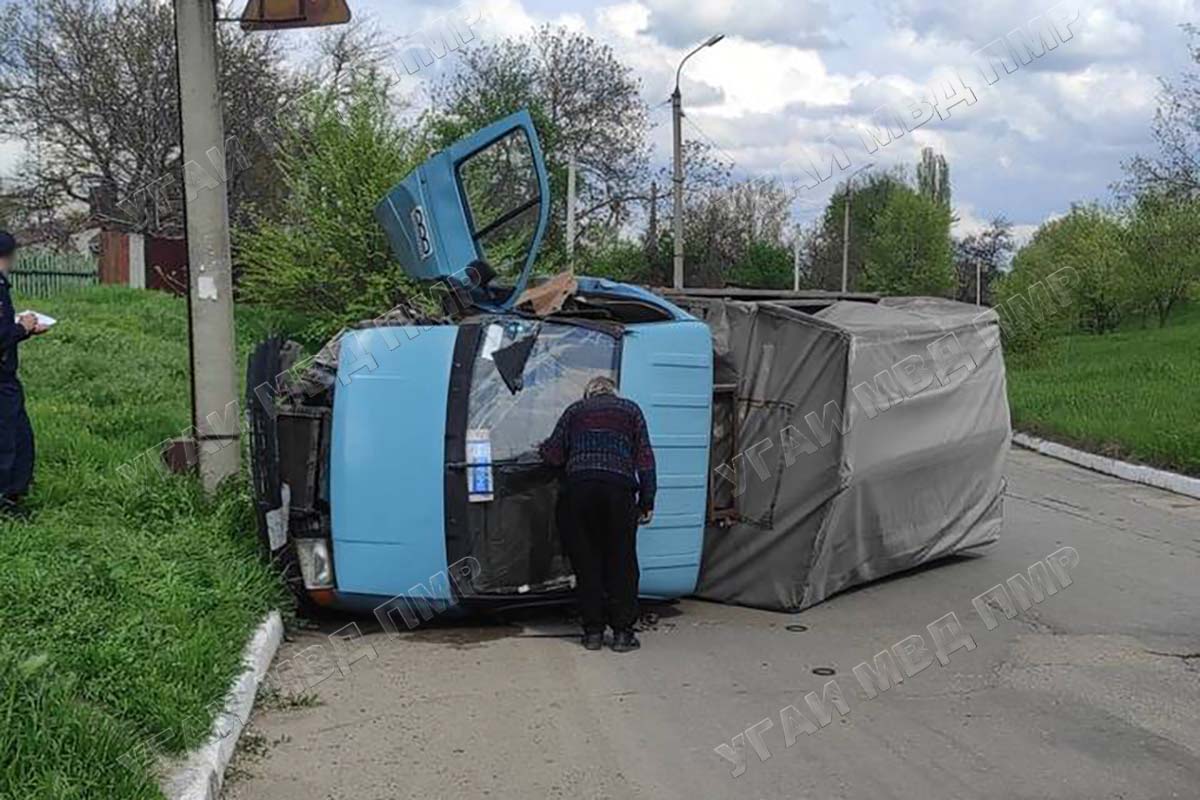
<point x="677" y="117"/>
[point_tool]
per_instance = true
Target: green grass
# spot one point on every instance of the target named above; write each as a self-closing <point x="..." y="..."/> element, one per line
<point x="1134" y="394"/>
<point x="126" y="603"/>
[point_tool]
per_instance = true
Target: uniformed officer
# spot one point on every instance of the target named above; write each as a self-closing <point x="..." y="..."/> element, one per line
<point x="16" y="434"/>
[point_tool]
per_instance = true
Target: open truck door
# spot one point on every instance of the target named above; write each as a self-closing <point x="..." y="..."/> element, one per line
<point x="474" y="213"/>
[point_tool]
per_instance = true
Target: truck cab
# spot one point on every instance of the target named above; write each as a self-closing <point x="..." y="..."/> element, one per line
<point x="424" y="458"/>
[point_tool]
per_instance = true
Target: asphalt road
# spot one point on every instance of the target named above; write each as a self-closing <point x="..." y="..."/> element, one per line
<point x="1094" y="693"/>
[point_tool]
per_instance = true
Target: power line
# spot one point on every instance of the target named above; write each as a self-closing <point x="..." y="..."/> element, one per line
<point x="732" y="161"/>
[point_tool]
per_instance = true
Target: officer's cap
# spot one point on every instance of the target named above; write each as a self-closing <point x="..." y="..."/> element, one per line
<point x="8" y="244"/>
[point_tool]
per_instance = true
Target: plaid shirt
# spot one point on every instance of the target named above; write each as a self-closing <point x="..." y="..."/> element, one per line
<point x="604" y="438"/>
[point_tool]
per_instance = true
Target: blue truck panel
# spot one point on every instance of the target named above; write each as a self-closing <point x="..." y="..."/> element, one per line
<point x="627" y="290"/>
<point x="427" y="217"/>
<point x="387" y="460"/>
<point x="666" y="368"/>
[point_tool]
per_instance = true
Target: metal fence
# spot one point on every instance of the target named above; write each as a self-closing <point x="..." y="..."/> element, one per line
<point x="41" y="272"/>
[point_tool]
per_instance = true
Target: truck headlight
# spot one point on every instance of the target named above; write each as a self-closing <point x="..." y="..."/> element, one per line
<point x="316" y="563"/>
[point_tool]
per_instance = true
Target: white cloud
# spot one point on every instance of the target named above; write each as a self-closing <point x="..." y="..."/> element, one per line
<point x="686" y="23"/>
<point x="1054" y="132"/>
<point x="626" y="21"/>
<point x="758" y="78"/>
<point x="792" y="72"/>
<point x="1104" y="96"/>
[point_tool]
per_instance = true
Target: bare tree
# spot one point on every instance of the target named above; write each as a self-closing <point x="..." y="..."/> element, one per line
<point x="725" y="223"/>
<point x="586" y="103"/>
<point x="1175" y="170"/>
<point x="982" y="255"/>
<point x="92" y="86"/>
<point x="350" y="54"/>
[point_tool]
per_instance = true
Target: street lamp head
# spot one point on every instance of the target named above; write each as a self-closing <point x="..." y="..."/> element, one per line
<point x="261" y="15"/>
<point x="708" y="43"/>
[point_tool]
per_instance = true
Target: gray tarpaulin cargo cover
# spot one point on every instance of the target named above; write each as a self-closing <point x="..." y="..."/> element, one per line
<point x="870" y="438"/>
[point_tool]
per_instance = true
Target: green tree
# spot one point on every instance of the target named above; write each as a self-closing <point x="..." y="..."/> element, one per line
<point x="871" y="192"/>
<point x="1029" y="313"/>
<point x="909" y="252"/>
<point x="325" y="256"/>
<point x="1163" y="236"/>
<point x="933" y="177"/>
<point x="1090" y="242"/>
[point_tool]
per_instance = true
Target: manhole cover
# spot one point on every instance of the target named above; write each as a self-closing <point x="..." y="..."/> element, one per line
<point x="824" y="672"/>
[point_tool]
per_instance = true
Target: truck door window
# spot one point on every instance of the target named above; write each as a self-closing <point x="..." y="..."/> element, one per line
<point x="501" y="187"/>
<point x="563" y="359"/>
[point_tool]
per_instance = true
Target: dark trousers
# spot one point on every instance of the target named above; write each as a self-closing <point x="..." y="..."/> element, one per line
<point x="16" y="442"/>
<point x="599" y="529"/>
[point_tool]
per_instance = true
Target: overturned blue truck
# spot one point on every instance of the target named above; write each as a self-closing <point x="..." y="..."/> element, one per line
<point x="806" y="442"/>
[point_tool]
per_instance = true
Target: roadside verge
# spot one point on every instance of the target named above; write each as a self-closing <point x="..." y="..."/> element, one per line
<point x="203" y="770"/>
<point x="1137" y="473"/>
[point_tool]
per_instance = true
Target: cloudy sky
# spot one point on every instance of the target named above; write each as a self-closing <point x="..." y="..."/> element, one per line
<point x="792" y="73"/>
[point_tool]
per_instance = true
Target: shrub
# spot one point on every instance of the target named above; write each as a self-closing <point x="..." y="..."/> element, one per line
<point x="618" y="260"/>
<point x="1090" y="242"/>
<point x="765" y="265"/>
<point x="326" y="257"/>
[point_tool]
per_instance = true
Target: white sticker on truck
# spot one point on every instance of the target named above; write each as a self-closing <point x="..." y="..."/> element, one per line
<point x="479" y="466"/>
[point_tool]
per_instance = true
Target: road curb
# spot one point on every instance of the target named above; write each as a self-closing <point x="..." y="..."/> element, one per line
<point x="1148" y="476"/>
<point x="203" y="770"/>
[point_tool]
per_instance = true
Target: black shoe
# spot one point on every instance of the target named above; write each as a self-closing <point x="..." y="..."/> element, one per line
<point x="625" y="641"/>
<point x="593" y="641"/>
<point x="12" y="509"/>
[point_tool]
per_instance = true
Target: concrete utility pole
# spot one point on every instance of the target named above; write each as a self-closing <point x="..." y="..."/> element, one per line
<point x="846" y="240"/>
<point x="571" y="204"/>
<point x="978" y="282"/>
<point x="677" y="118"/>
<point x="677" y="222"/>
<point x="796" y="263"/>
<point x="846" y="227"/>
<point x="652" y="230"/>
<point x="215" y="408"/>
